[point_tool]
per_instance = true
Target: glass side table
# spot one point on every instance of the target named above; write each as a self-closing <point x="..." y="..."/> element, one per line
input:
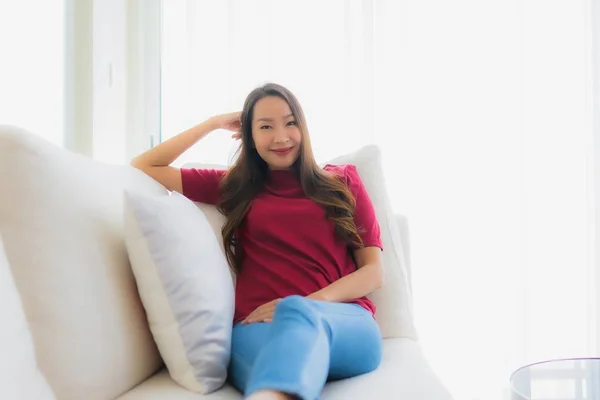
<point x="566" y="379"/>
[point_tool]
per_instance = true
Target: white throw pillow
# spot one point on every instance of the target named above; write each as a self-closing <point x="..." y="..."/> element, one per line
<point x="185" y="285"/>
<point x="20" y="378"/>
<point x="393" y="300"/>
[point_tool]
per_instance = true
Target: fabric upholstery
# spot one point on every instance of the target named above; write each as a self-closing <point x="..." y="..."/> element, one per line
<point x="185" y="285"/>
<point x="61" y="216"/>
<point x="20" y="378"/>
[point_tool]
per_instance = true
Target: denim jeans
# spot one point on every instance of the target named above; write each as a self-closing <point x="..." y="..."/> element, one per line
<point x="308" y="343"/>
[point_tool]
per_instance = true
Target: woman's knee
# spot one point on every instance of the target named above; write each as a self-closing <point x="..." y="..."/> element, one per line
<point x="374" y="348"/>
<point x="296" y="307"/>
<point x="372" y="359"/>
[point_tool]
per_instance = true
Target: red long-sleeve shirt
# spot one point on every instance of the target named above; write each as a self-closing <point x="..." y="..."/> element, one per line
<point x="288" y="245"/>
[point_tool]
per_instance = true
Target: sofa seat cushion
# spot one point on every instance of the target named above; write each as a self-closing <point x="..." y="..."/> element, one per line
<point x="403" y="374"/>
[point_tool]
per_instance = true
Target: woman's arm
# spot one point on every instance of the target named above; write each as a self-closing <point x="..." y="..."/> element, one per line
<point x="367" y="278"/>
<point x="369" y="275"/>
<point x="156" y="161"/>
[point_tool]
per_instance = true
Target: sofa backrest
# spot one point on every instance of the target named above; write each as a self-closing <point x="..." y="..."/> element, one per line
<point x="61" y="220"/>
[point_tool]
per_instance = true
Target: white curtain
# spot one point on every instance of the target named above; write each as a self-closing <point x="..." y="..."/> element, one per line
<point x="32" y="66"/>
<point x="483" y="112"/>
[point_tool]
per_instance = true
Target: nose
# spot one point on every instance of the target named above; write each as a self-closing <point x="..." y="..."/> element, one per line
<point x="281" y="136"/>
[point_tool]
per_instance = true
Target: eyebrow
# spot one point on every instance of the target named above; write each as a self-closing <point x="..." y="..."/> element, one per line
<point x="271" y="119"/>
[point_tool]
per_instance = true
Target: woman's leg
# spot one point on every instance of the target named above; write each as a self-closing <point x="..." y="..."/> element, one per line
<point x="246" y="342"/>
<point x="310" y="340"/>
<point x="355" y="339"/>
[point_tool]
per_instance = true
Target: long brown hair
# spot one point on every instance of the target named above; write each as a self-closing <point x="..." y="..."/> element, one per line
<point x="249" y="173"/>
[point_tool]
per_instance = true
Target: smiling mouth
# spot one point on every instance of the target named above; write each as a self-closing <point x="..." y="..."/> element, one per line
<point x="282" y="152"/>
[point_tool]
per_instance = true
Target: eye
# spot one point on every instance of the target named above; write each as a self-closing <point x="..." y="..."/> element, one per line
<point x="292" y="122"/>
<point x="265" y="126"/>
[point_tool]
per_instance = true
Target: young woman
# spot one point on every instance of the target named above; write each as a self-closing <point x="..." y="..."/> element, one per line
<point x="304" y="243"/>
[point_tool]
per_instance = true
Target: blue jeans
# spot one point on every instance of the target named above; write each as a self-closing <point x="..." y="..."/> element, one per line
<point x="307" y="343"/>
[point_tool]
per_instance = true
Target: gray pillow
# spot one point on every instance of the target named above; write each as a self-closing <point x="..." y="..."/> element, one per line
<point x="185" y="285"/>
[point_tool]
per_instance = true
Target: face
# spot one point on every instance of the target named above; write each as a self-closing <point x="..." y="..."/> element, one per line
<point x="276" y="136"/>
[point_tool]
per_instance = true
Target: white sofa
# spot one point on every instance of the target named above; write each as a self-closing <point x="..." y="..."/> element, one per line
<point x="61" y="224"/>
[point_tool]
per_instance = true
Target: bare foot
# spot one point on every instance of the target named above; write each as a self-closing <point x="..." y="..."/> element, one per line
<point x="269" y="395"/>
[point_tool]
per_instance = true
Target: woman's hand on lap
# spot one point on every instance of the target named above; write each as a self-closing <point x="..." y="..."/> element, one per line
<point x="263" y="313"/>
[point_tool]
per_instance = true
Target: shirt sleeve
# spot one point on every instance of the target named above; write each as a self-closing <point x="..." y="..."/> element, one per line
<point x="201" y="185"/>
<point x="364" y="215"/>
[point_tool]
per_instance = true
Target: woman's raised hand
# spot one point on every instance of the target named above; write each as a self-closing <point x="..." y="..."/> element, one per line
<point x="231" y="122"/>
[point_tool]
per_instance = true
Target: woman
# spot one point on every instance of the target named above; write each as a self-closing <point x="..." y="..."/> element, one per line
<point x="303" y="241"/>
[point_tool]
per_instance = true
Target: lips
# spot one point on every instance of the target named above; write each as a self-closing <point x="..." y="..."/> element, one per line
<point x="282" y="152"/>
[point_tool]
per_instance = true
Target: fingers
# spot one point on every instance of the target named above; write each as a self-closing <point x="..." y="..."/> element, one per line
<point x="260" y="316"/>
<point x="263" y="313"/>
<point x="237" y="136"/>
<point x="250" y="318"/>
